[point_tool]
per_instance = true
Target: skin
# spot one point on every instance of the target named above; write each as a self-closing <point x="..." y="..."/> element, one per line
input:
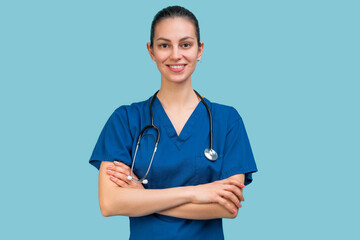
<point x="175" y="43"/>
<point x="219" y="199"/>
<point x="119" y="171"/>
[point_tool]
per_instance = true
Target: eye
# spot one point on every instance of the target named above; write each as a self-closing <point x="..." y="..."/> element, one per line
<point x="186" y="45"/>
<point x="163" y="45"/>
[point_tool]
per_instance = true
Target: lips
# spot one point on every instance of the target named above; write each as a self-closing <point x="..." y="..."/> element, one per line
<point x="176" y="67"/>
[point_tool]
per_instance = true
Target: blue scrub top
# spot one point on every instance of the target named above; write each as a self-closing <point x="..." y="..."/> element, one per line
<point x="179" y="160"/>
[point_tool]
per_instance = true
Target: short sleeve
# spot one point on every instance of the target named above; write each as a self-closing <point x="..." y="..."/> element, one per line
<point x="238" y="156"/>
<point x="115" y="140"/>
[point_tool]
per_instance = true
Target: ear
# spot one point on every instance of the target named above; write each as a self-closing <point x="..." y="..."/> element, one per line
<point x="200" y="51"/>
<point x="151" y="51"/>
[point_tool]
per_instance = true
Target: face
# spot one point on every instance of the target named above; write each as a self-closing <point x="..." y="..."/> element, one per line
<point x="175" y="49"/>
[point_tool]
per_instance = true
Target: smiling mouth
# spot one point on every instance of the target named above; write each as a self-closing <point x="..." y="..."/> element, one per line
<point x="177" y="67"/>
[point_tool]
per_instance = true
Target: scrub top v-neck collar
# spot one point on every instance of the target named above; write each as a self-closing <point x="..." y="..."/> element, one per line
<point x="165" y="122"/>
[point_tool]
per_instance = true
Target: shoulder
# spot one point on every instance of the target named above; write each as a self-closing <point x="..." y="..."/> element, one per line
<point x="132" y="110"/>
<point x="223" y="112"/>
<point x="130" y="116"/>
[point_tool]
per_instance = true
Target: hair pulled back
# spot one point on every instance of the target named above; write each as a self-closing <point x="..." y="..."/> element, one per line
<point x="171" y="12"/>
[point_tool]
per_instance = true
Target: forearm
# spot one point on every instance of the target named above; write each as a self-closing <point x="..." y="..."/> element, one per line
<point x="199" y="211"/>
<point x="204" y="211"/>
<point x="115" y="200"/>
<point x="140" y="202"/>
<point x="123" y="197"/>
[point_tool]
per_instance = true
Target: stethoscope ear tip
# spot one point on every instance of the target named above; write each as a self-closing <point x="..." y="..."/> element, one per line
<point x="144" y="181"/>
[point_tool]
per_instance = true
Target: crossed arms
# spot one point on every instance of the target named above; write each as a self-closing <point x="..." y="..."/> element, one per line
<point x="120" y="196"/>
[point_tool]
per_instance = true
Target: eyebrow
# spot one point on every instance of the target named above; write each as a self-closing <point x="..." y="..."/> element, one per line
<point x="167" y="40"/>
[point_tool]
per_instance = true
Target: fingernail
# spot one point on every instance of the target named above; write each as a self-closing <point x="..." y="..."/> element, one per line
<point x="242" y="185"/>
<point x="234" y="211"/>
<point x="110" y="166"/>
<point x="116" y="162"/>
<point x="240" y="205"/>
<point x="109" y="171"/>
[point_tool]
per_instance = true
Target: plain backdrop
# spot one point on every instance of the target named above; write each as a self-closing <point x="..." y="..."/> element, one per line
<point x="290" y="68"/>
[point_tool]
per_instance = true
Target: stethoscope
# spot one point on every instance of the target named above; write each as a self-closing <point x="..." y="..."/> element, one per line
<point x="209" y="153"/>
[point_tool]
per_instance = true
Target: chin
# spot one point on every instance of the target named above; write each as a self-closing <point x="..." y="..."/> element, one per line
<point x="180" y="78"/>
<point x="177" y="80"/>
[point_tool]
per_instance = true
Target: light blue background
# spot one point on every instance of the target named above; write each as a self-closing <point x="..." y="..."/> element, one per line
<point x="291" y="68"/>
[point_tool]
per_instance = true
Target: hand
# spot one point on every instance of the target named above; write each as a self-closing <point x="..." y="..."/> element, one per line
<point x="227" y="192"/>
<point x="119" y="172"/>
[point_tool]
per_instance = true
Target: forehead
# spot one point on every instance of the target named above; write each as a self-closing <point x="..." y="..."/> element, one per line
<point x="176" y="27"/>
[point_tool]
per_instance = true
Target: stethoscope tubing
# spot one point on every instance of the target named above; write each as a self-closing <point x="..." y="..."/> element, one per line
<point x="210" y="118"/>
<point x="209" y="152"/>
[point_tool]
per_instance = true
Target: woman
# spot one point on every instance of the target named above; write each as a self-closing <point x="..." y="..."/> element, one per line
<point x="184" y="195"/>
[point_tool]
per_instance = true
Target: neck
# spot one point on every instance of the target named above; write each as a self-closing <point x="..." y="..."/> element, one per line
<point x="177" y="95"/>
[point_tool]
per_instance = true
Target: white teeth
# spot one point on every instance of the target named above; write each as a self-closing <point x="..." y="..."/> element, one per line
<point x="177" y="66"/>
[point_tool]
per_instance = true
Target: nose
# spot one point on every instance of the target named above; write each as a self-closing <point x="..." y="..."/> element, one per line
<point x="175" y="53"/>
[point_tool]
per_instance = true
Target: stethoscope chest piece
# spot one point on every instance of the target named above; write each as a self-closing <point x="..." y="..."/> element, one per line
<point x="210" y="154"/>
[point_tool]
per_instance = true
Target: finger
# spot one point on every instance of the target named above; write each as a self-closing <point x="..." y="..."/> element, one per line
<point x="118" y="181"/>
<point x="231" y="208"/>
<point x="234" y="182"/>
<point x="121" y="176"/>
<point x="231" y="197"/>
<point x="122" y="165"/>
<point x="120" y="170"/>
<point x="112" y="169"/>
<point x="126" y="172"/>
<point x="110" y="166"/>
<point x="110" y="172"/>
<point x="124" y="169"/>
<point x="117" y="174"/>
<point x="237" y="191"/>
<point x="242" y="197"/>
